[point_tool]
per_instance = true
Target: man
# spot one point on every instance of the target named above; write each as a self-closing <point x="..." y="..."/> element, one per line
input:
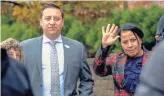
<point x="50" y="77"/>
<point x="160" y="30"/>
<point x="152" y="77"/>
<point x="14" y="79"/>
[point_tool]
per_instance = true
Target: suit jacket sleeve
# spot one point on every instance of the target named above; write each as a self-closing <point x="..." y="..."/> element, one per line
<point x="86" y="81"/>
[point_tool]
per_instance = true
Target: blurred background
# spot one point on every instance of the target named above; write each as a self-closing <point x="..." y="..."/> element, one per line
<point x="83" y="19"/>
<point x="83" y="22"/>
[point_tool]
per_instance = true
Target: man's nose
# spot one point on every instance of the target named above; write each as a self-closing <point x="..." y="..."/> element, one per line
<point x="52" y="21"/>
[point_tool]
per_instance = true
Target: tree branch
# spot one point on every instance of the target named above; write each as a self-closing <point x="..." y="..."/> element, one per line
<point x="15" y="3"/>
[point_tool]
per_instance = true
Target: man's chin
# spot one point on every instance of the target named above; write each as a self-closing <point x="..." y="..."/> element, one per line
<point x="52" y="32"/>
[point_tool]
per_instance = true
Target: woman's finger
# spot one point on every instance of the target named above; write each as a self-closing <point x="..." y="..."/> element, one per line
<point x="115" y="31"/>
<point x="112" y="28"/>
<point x="108" y="27"/>
<point x="103" y="30"/>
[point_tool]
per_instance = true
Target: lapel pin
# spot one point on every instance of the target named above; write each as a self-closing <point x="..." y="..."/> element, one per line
<point x="66" y="46"/>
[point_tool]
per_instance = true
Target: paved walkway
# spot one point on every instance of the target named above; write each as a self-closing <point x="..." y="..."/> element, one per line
<point x="103" y="85"/>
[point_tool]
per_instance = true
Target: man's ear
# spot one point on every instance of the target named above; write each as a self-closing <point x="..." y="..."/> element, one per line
<point x="40" y="22"/>
<point x="63" y="23"/>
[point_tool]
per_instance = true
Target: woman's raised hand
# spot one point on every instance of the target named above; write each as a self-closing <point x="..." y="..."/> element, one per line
<point x="109" y="36"/>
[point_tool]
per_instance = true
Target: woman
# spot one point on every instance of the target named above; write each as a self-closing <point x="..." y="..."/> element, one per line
<point x="125" y="67"/>
<point x="13" y="48"/>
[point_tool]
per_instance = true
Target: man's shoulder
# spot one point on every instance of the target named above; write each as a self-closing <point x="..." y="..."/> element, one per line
<point x="72" y="41"/>
<point x="159" y="48"/>
<point x="30" y="41"/>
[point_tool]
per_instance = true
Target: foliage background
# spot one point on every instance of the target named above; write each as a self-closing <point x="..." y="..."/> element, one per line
<point x="83" y="20"/>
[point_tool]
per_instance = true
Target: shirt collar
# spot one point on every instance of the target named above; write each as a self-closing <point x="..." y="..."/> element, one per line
<point x="46" y="39"/>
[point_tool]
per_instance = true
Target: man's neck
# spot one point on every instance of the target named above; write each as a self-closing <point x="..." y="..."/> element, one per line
<point x="52" y="37"/>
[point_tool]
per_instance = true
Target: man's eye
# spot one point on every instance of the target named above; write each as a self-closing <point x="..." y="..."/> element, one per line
<point x="48" y="18"/>
<point x="57" y="19"/>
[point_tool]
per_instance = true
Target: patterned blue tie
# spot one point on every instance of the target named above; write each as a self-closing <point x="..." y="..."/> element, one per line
<point x="55" y="78"/>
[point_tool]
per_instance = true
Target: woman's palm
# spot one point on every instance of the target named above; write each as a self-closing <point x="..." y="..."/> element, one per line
<point x="110" y="35"/>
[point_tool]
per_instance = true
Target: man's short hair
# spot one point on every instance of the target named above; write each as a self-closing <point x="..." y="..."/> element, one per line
<point x="51" y="6"/>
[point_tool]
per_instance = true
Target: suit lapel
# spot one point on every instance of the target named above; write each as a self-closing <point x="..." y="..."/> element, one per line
<point x="66" y="47"/>
<point x="38" y="54"/>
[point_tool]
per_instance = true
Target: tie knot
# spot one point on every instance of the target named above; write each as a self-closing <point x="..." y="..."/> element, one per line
<point x="53" y="43"/>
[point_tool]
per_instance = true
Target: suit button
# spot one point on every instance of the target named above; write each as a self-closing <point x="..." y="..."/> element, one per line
<point x="40" y="85"/>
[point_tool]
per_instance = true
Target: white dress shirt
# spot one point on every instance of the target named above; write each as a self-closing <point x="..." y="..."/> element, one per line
<point x="46" y="67"/>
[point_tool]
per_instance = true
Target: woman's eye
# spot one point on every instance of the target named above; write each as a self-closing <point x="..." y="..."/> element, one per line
<point x="133" y="40"/>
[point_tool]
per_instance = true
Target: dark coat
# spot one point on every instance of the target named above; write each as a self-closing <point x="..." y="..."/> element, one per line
<point x="152" y="75"/>
<point x="14" y="79"/>
<point x="160" y="28"/>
